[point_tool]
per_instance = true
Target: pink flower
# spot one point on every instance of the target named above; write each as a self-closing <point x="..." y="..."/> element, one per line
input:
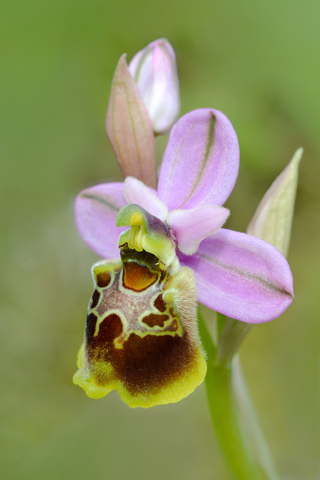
<point x="154" y="70"/>
<point x="237" y="274"/>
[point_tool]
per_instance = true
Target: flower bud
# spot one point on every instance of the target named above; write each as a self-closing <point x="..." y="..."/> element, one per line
<point x="129" y="128"/>
<point x="154" y="70"/>
<point x="273" y="217"/>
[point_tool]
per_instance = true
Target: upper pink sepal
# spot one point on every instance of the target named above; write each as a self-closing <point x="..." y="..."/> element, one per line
<point x="190" y="227"/>
<point x="137" y="192"/>
<point x="129" y="128"/>
<point x="154" y="70"/>
<point x="96" y="209"/>
<point x="242" y="277"/>
<point x="201" y="161"/>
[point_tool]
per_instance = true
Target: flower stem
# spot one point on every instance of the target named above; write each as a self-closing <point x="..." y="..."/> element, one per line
<point x="250" y="417"/>
<point x="231" y="334"/>
<point x="228" y="403"/>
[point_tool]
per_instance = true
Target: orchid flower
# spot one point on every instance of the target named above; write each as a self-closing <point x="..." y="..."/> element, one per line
<point x="141" y="333"/>
<point x="237" y="274"/>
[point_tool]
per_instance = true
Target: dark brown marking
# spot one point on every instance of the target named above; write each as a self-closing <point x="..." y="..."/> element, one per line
<point x="90" y="325"/>
<point x="109" y="329"/>
<point x="151" y="362"/>
<point x="173" y="327"/>
<point x="143" y="364"/>
<point x="103" y="279"/>
<point x="136" y="277"/>
<point x="95" y="299"/>
<point x="154" y="319"/>
<point x="159" y="303"/>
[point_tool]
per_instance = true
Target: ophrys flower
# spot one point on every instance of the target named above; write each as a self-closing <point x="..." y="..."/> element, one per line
<point x="237" y="274"/>
<point x="141" y="331"/>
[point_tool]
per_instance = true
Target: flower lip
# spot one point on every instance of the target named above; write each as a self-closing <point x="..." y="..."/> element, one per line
<point x="141" y="336"/>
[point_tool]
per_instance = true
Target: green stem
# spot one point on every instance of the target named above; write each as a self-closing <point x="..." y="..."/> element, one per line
<point x="237" y="445"/>
<point x="232" y="333"/>
<point x="250" y="417"/>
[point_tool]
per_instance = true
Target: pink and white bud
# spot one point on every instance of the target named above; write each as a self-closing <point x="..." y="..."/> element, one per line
<point x="154" y="70"/>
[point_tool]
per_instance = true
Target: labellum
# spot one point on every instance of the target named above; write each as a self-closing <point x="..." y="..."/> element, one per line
<point x="141" y="333"/>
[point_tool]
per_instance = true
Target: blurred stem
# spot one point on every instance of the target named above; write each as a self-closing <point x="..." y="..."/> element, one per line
<point x="220" y="321"/>
<point x="243" y="446"/>
<point x="250" y="418"/>
<point x="230" y="335"/>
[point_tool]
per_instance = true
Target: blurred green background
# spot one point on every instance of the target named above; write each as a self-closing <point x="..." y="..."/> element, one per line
<point x="256" y="61"/>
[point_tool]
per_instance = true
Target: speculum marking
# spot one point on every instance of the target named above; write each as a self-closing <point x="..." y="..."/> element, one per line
<point x="137" y="277"/>
<point x="103" y="279"/>
<point x="154" y="320"/>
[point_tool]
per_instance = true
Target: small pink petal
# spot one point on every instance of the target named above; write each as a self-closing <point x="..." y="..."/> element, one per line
<point x="242" y="277"/>
<point x="137" y="192"/>
<point x="96" y="209"/>
<point x="129" y="128"/>
<point x="192" y="226"/>
<point x="201" y="161"/>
